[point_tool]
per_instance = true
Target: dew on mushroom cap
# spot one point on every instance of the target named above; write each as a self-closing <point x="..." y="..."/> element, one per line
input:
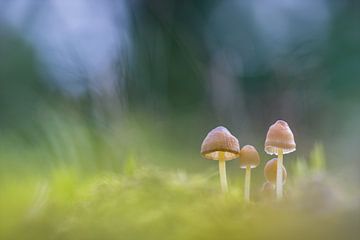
<point x="279" y="136"/>
<point x="220" y="141"/>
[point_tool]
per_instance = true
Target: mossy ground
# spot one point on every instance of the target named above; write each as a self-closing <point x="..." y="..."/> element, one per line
<point x="147" y="203"/>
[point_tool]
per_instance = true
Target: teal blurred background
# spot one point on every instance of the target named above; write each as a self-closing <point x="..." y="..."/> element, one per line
<point x="98" y="84"/>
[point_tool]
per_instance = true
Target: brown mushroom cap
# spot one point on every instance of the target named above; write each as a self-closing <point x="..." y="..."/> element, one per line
<point x="268" y="190"/>
<point x="271" y="169"/>
<point x="279" y="136"/>
<point x="268" y="186"/>
<point x="220" y="140"/>
<point x="249" y="157"/>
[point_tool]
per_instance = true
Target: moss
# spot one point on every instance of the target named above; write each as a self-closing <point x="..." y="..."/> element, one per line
<point x="155" y="204"/>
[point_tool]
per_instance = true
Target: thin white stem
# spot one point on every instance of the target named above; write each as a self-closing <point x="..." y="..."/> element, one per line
<point x="279" y="175"/>
<point x="222" y="171"/>
<point x="247" y="184"/>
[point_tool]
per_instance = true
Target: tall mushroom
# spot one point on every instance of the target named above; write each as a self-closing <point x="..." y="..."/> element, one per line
<point x="249" y="158"/>
<point x="221" y="145"/>
<point x="279" y="141"/>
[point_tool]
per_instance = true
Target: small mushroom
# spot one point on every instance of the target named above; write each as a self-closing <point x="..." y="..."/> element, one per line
<point x="249" y="158"/>
<point x="220" y="145"/>
<point x="270" y="171"/>
<point x="279" y="141"/>
<point x="268" y="190"/>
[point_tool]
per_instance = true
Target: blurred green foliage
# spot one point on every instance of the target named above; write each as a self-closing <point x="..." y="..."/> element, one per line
<point x="21" y="85"/>
<point x="171" y="55"/>
<point x="204" y="62"/>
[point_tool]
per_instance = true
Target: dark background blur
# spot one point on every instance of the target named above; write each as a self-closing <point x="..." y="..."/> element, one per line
<point x="183" y="67"/>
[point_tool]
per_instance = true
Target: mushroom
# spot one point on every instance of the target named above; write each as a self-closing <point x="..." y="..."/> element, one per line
<point x="267" y="190"/>
<point x="249" y="158"/>
<point x="270" y="171"/>
<point x="221" y="145"/>
<point x="279" y="141"/>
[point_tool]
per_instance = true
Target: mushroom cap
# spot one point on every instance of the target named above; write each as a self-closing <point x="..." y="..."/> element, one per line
<point x="271" y="169"/>
<point x="249" y="157"/>
<point x="268" y="190"/>
<point x="220" y="141"/>
<point x="268" y="186"/>
<point x="279" y="136"/>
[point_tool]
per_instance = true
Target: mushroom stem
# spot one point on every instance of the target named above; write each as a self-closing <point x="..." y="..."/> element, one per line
<point x="247" y="184"/>
<point x="279" y="175"/>
<point x="222" y="171"/>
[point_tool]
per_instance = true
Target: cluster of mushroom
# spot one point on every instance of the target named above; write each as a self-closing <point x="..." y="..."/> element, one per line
<point x="221" y="145"/>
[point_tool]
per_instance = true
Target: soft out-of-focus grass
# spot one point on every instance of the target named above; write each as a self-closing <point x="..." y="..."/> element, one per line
<point x="71" y="179"/>
<point x="62" y="140"/>
<point x="147" y="203"/>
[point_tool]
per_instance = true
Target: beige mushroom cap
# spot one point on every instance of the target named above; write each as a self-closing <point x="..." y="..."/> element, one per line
<point x="271" y="169"/>
<point x="249" y="157"/>
<point x="268" y="190"/>
<point x="279" y="136"/>
<point x="220" y="140"/>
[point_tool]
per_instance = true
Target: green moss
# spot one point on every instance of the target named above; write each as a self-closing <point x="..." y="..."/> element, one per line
<point x="155" y="204"/>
